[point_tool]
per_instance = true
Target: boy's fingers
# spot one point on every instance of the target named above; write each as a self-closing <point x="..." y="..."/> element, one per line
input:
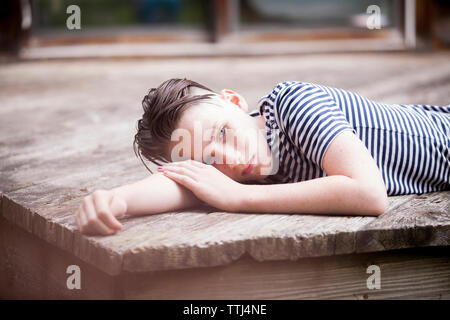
<point x="182" y="179"/>
<point x="93" y="223"/>
<point x="188" y="164"/>
<point x="97" y="226"/>
<point x="109" y="220"/>
<point x="182" y="170"/>
<point x="104" y="213"/>
<point x="198" y="164"/>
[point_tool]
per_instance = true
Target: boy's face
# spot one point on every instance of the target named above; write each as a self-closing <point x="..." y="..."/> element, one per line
<point x="220" y="132"/>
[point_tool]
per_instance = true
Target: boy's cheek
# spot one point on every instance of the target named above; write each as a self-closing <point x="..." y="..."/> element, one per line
<point x="226" y="171"/>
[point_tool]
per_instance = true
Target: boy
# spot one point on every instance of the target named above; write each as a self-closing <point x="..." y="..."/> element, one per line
<point x="306" y="148"/>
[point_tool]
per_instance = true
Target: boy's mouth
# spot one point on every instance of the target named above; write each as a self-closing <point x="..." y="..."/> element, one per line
<point x="249" y="167"/>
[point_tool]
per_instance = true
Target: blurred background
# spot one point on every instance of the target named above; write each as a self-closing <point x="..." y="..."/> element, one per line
<point x="73" y="72"/>
<point x="235" y="26"/>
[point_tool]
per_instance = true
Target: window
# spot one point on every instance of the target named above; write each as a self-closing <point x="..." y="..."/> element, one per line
<point x="122" y="20"/>
<point x="242" y="26"/>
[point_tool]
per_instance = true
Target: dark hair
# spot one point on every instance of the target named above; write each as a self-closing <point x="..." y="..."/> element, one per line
<point x="162" y="109"/>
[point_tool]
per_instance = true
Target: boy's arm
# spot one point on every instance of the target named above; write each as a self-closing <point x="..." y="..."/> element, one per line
<point x="327" y="195"/>
<point x="155" y="194"/>
<point x="353" y="185"/>
<point x="99" y="211"/>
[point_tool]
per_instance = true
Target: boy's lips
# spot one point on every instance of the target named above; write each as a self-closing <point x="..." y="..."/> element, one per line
<point x="249" y="167"/>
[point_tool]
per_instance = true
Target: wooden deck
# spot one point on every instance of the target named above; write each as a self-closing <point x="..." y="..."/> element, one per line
<point x="66" y="129"/>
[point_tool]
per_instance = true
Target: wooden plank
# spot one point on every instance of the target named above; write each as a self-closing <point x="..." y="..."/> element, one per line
<point x="404" y="274"/>
<point x="421" y="225"/>
<point x="399" y="87"/>
<point x="275" y="237"/>
<point x="30" y="268"/>
<point x="151" y="242"/>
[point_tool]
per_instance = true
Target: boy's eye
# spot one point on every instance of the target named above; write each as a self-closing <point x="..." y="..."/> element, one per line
<point x="222" y="133"/>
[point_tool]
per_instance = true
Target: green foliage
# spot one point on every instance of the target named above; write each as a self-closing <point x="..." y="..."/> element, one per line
<point x="52" y="13"/>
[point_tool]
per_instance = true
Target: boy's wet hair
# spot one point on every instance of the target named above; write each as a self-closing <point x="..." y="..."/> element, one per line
<point x="162" y="110"/>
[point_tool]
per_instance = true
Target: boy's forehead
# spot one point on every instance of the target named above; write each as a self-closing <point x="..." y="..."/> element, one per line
<point x="205" y="114"/>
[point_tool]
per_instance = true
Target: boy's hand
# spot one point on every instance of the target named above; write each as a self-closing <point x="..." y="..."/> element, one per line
<point x="99" y="211"/>
<point x="207" y="183"/>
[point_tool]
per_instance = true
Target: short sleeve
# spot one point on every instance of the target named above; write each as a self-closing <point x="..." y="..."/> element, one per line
<point x="310" y="118"/>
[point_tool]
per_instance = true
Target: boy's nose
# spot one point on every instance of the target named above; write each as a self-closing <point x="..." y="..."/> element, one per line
<point x="231" y="157"/>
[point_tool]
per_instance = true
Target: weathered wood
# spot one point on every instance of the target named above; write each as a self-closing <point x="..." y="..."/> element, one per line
<point x="413" y="223"/>
<point x="405" y="274"/>
<point x="30" y="268"/>
<point x="153" y="242"/>
<point x="67" y="128"/>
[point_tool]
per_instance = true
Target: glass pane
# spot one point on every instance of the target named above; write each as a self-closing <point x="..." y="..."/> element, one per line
<point x="313" y="14"/>
<point x="51" y="14"/>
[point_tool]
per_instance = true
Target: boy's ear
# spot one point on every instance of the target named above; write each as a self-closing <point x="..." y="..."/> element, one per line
<point x="235" y="98"/>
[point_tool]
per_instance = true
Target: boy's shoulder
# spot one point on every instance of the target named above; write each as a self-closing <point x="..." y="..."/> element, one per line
<point x="279" y="105"/>
<point x="267" y="102"/>
<point x="281" y="89"/>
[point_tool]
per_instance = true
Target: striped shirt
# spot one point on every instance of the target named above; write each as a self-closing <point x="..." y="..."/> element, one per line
<point x="410" y="143"/>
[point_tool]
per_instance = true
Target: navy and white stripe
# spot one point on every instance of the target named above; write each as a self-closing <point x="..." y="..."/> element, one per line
<point x="410" y="143"/>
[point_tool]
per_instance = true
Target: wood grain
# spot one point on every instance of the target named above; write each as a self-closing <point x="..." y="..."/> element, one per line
<point x="404" y="274"/>
<point x="30" y="268"/>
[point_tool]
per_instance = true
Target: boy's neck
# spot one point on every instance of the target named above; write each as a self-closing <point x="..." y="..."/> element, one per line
<point x="261" y="121"/>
